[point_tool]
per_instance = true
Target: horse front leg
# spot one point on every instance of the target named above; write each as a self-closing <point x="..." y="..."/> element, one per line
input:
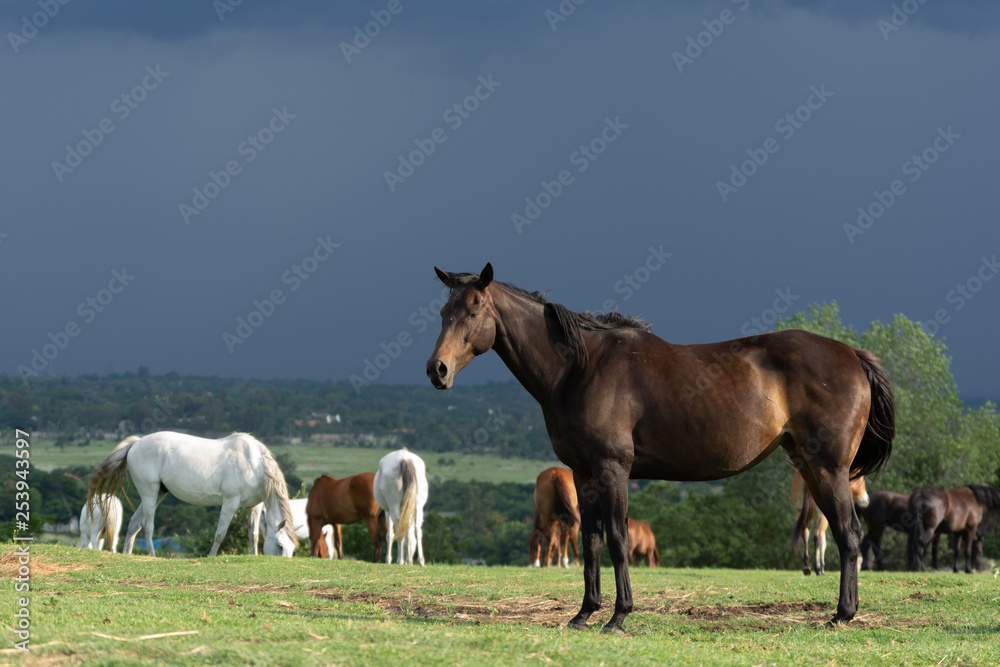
<point x="229" y="507"/>
<point x="593" y="538"/>
<point x="253" y="527"/>
<point x="614" y="510"/>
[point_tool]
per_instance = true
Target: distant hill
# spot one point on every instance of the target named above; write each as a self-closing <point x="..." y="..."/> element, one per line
<point x="500" y="419"/>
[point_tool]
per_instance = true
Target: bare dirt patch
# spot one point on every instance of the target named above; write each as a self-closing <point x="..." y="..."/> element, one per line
<point x="531" y="609"/>
<point x="10" y="562"/>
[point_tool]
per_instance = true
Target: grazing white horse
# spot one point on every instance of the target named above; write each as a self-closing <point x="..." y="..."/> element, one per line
<point x="400" y="488"/>
<point x="300" y="522"/>
<point x="95" y="525"/>
<point x="235" y="471"/>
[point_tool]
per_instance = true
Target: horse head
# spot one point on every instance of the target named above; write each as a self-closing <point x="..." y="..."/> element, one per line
<point x="468" y="325"/>
<point x="277" y="542"/>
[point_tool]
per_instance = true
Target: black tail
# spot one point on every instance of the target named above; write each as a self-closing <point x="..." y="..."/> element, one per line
<point x="876" y="444"/>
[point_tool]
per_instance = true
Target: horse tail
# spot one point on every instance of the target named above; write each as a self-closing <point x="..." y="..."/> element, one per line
<point x="876" y="444"/>
<point x="987" y="496"/>
<point x="108" y="476"/>
<point x="656" y="555"/>
<point x="407" y="508"/>
<point x="112" y="523"/>
<point x="565" y="499"/>
<point x="276" y="490"/>
<point x="805" y="515"/>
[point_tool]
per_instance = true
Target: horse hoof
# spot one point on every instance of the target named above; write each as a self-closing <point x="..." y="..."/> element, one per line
<point x="837" y="622"/>
<point x="612" y="630"/>
<point x="577" y="625"/>
<point x="806" y="571"/>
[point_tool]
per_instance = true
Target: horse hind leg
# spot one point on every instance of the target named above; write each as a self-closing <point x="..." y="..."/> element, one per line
<point x="134" y="525"/>
<point x="821" y="527"/>
<point x="806" y="568"/>
<point x="835" y="494"/>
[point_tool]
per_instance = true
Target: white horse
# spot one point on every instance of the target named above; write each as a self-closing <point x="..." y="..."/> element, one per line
<point x="400" y="488"/>
<point x="95" y="525"/>
<point x="300" y="522"/>
<point x="235" y="471"/>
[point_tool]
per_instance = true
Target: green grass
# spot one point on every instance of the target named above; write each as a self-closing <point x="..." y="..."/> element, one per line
<point x="314" y="460"/>
<point x="256" y="610"/>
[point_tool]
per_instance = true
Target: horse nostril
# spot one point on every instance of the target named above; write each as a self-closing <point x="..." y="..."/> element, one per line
<point x="436" y="367"/>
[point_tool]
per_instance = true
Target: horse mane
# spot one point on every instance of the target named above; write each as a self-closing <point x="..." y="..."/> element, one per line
<point x="987" y="496"/>
<point x="568" y="324"/>
<point x="275" y="485"/>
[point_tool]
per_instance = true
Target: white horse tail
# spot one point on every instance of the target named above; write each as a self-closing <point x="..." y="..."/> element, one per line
<point x="276" y="489"/>
<point x="112" y="523"/>
<point x="108" y="476"/>
<point x="407" y="508"/>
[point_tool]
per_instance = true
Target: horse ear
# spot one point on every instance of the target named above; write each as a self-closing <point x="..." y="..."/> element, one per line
<point x="486" y="276"/>
<point x="281" y="525"/>
<point x="444" y="277"/>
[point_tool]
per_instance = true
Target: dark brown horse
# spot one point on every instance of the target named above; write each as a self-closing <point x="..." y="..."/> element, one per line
<point x="642" y="543"/>
<point x="557" y="518"/>
<point x="340" y="501"/>
<point x="886" y="509"/>
<point x="619" y="402"/>
<point x="959" y="511"/>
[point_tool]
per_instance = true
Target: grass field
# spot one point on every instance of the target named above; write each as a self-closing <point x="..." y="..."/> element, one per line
<point x="100" y="608"/>
<point x="314" y="460"/>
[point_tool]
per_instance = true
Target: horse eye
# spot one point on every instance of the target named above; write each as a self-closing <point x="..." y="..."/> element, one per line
<point x="473" y="315"/>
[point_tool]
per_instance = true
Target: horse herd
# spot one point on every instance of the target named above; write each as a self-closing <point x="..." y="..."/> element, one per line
<point x="239" y="471"/>
<point x="390" y="502"/>
<point x="619" y="403"/>
<point x="923" y="516"/>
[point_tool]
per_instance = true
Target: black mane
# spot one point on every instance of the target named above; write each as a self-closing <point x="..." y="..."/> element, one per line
<point x="988" y="496"/>
<point x="566" y="324"/>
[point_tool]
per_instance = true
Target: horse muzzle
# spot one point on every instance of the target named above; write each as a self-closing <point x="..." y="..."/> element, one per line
<point x="440" y="375"/>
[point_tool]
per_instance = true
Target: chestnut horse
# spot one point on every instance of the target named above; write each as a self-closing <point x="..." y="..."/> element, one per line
<point x="557" y="518"/>
<point x="340" y="501"/>
<point x="621" y="403"/>
<point x="642" y="542"/>
<point x="959" y="510"/>
<point x="807" y="513"/>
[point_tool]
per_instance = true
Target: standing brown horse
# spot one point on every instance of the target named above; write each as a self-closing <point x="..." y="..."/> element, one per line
<point x="807" y="512"/>
<point x="620" y="402"/>
<point x="340" y="501"/>
<point x="958" y="511"/>
<point x="557" y="518"/>
<point x="642" y="542"/>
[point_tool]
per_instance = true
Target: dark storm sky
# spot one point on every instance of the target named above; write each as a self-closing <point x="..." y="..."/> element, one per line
<point x="832" y="100"/>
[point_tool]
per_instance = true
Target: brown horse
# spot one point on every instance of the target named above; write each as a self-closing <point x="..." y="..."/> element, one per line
<point x="340" y="501"/>
<point x="807" y="513"/>
<point x="557" y="518"/>
<point x="959" y="511"/>
<point x="621" y="403"/>
<point x="642" y="542"/>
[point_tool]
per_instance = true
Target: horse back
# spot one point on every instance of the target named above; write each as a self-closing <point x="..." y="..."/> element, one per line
<point x="676" y="402"/>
